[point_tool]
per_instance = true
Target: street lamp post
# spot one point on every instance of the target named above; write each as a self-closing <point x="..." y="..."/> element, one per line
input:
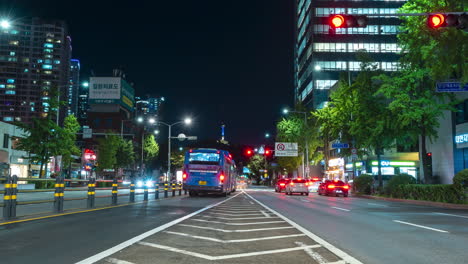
<point x="187" y="121"/>
<point x="304" y="171"/>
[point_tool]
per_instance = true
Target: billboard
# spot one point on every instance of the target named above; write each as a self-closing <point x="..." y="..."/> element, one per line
<point x="285" y="149"/>
<point x="111" y="90"/>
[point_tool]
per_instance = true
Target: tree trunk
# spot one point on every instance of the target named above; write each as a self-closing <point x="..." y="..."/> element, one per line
<point x="379" y="167"/>
<point x="423" y="158"/>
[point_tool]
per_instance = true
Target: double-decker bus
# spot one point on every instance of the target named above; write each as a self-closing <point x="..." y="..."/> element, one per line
<point x="209" y="171"/>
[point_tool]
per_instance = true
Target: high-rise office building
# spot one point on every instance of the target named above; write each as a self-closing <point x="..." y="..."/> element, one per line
<point x="34" y="58"/>
<point x="149" y="106"/>
<point x="322" y="54"/>
<point x="74" y="87"/>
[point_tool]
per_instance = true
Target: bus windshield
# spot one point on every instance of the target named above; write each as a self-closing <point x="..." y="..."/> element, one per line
<point x="204" y="158"/>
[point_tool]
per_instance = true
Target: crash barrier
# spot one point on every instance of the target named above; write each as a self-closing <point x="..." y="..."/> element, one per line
<point x="11" y="193"/>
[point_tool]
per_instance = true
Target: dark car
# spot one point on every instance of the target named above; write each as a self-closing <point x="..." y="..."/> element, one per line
<point x="281" y="184"/>
<point x="335" y="187"/>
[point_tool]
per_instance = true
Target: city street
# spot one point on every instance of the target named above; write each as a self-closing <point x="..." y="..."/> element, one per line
<point x="255" y="226"/>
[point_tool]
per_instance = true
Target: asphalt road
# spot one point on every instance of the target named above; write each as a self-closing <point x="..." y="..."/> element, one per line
<point x="258" y="226"/>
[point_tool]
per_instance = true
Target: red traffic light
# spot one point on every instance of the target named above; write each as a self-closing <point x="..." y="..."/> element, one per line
<point x="429" y="154"/>
<point x="89" y="154"/>
<point x="436" y="20"/>
<point x="337" y="21"/>
<point x="267" y="152"/>
<point x="249" y="152"/>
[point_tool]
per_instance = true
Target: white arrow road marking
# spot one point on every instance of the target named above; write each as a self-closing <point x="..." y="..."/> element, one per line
<point x="236" y="218"/>
<point x="314" y="255"/>
<point x="421" y="226"/>
<point x="342" y="209"/>
<point x="239" y="230"/>
<point x="224" y="223"/>
<point x="117" y="261"/>
<point x="250" y="254"/>
<point x="235" y="240"/>
<point x="462" y="216"/>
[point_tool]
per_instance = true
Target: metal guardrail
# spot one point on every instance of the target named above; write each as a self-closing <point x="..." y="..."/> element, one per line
<point x="11" y="193"/>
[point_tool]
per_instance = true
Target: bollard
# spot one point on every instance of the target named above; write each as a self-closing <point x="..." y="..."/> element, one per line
<point x="13" y="192"/>
<point x="7" y="198"/>
<point x="114" y="191"/>
<point x="173" y="189"/>
<point x="166" y="188"/>
<point x="156" y="191"/>
<point x="180" y="188"/>
<point x="132" y="191"/>
<point x="145" y="191"/>
<point x="91" y="192"/>
<point x="58" y="195"/>
<point x="185" y="189"/>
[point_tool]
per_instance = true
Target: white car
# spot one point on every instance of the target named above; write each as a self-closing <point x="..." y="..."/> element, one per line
<point x="313" y="186"/>
<point x="297" y="186"/>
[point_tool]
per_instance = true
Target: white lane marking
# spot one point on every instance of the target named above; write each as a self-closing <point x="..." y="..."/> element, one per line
<point x="421" y="226"/>
<point x="224" y="223"/>
<point x="341" y="254"/>
<point x="121" y="246"/>
<point x="377" y="204"/>
<point x="337" y="262"/>
<point x="239" y="230"/>
<point x="235" y="240"/>
<point x="304" y="200"/>
<point x="265" y="214"/>
<point x="117" y="261"/>
<point x="314" y="255"/>
<point x="342" y="209"/>
<point x="251" y="203"/>
<point x="207" y="257"/>
<point x="235" y="218"/>
<point x="233" y="214"/>
<point x="462" y="216"/>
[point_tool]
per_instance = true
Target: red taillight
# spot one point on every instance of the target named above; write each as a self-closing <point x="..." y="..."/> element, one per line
<point x="221" y="177"/>
<point x="346" y="187"/>
<point x="315" y="178"/>
<point x="184" y="176"/>
<point x="307" y="183"/>
<point x="331" y="186"/>
<point x="282" y="184"/>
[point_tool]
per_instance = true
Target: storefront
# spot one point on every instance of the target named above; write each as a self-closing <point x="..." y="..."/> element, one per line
<point x="393" y="167"/>
<point x="336" y="169"/>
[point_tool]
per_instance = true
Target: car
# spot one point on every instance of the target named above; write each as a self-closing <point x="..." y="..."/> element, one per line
<point x="314" y="184"/>
<point x="281" y="184"/>
<point x="335" y="187"/>
<point x="297" y="186"/>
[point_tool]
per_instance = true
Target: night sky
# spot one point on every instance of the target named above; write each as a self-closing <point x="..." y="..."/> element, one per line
<point x="217" y="61"/>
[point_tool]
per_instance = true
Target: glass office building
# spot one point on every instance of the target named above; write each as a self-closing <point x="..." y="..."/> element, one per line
<point x="322" y="55"/>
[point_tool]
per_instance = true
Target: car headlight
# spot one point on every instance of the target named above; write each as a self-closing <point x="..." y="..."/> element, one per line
<point x="149" y="184"/>
<point x="139" y="184"/>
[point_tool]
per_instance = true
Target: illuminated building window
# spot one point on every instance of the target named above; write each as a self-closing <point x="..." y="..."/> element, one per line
<point x="11" y="81"/>
<point x="10" y="92"/>
<point x="47" y="66"/>
<point x="14" y="42"/>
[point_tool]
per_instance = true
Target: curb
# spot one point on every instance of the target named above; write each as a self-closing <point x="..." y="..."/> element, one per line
<point x="415" y="202"/>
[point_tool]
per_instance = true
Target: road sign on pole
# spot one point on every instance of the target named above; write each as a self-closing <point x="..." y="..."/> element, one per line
<point x="284" y="149"/>
<point x="87" y="132"/>
<point x="451" y="87"/>
<point x="340" y="145"/>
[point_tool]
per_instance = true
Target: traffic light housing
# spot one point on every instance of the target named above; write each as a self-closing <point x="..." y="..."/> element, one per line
<point x="439" y="20"/>
<point x="429" y="164"/>
<point x="347" y="21"/>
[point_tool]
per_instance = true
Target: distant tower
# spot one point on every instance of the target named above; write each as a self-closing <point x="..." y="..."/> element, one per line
<point x="222" y="132"/>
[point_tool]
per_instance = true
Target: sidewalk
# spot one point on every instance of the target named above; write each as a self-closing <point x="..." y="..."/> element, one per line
<point x="415" y="202"/>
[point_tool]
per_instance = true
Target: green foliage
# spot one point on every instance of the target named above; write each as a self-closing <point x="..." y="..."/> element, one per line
<point x="256" y="163"/>
<point x="125" y="154"/>
<point x="363" y="183"/>
<point x="461" y="178"/>
<point x="104" y="184"/>
<point x="107" y="152"/>
<point x="398" y="180"/>
<point x="446" y="193"/>
<point x="67" y="139"/>
<point x="44" y="184"/>
<point x="151" y="148"/>
<point x="177" y="159"/>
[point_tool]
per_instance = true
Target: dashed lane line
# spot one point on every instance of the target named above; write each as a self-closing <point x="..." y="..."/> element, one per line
<point x="306" y="201"/>
<point x="207" y="257"/>
<point x="239" y="230"/>
<point x="224" y="223"/>
<point x="140" y="237"/>
<point x="462" y="216"/>
<point x="342" y="209"/>
<point x="421" y="226"/>
<point x="236" y="218"/>
<point x="377" y="204"/>
<point x="338" y="252"/>
<point x="314" y="255"/>
<point x="235" y="240"/>
<point x="117" y="261"/>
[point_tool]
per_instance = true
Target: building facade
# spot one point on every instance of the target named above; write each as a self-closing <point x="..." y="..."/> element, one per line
<point x="322" y="55"/>
<point x="74" y="87"/>
<point x="149" y="106"/>
<point x="15" y="159"/>
<point x="34" y="58"/>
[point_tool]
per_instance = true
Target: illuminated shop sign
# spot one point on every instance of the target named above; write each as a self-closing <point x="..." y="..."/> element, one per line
<point x="463" y="138"/>
<point x="386" y="163"/>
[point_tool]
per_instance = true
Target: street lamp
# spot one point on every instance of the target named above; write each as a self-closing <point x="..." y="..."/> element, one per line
<point x="286" y="111"/>
<point x="186" y="121"/>
<point x="156" y="132"/>
<point x="152" y="120"/>
<point x="140" y="119"/>
<point x="85" y="84"/>
<point x="267" y="135"/>
<point x="5" y="24"/>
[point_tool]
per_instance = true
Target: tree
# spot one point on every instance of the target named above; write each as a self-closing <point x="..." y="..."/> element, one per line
<point x="429" y="55"/>
<point x="125" y="154"/>
<point x="177" y="159"/>
<point x="107" y="152"/>
<point x="151" y="149"/>
<point x="257" y="163"/>
<point x="67" y="140"/>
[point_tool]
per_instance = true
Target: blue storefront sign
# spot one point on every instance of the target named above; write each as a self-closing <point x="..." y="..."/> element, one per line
<point x="340" y="145"/>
